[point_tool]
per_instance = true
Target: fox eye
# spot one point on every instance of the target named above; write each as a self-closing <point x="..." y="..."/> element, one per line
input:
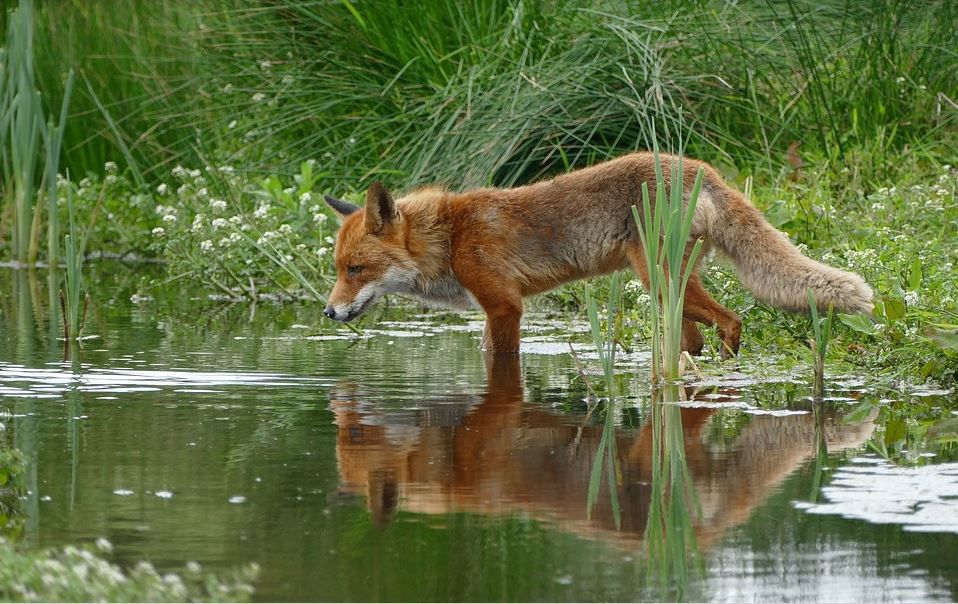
<point x="352" y="271"/>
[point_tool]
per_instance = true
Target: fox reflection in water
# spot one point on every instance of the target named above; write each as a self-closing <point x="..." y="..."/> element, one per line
<point x="495" y="454"/>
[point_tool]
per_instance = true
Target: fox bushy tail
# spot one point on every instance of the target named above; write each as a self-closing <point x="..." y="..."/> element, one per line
<point x="772" y="268"/>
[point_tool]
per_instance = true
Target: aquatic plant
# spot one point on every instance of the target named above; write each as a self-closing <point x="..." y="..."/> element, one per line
<point x="821" y="336"/>
<point x="607" y="455"/>
<point x="664" y="228"/>
<point x="26" y="137"/>
<point x="70" y="300"/>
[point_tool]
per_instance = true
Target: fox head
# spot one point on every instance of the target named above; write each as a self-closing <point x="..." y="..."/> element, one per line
<point x="371" y="255"/>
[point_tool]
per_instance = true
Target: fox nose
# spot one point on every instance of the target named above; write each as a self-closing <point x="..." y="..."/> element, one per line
<point x="329" y="312"/>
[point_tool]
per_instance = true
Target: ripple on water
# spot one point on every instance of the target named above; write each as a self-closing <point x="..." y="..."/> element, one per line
<point x="920" y="499"/>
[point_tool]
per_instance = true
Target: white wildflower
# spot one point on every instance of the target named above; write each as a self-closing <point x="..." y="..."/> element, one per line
<point x="182" y="190"/>
<point x="195" y="173"/>
<point x="285" y="229"/>
<point x="319" y="218"/>
<point x="235" y="237"/>
<point x="110" y="167"/>
<point x="259" y="97"/>
<point x="231" y="125"/>
<point x="287" y="80"/>
<point x="330" y="240"/>
<point x="322" y="251"/>
<point x="261" y="211"/>
<point x="162" y="189"/>
<point x="206" y="245"/>
<point x="110" y="179"/>
<point x="305" y="198"/>
<point x="197" y="223"/>
<point x="228" y="88"/>
<point x="236" y="219"/>
<point x="218" y="204"/>
<point x="912" y="298"/>
<point x="169" y="218"/>
<point x="179" y="172"/>
<point x="289" y="190"/>
<point x="265" y="65"/>
<point x="219" y="223"/>
<point x="85" y="182"/>
<point x="158" y="232"/>
<point x="104" y="545"/>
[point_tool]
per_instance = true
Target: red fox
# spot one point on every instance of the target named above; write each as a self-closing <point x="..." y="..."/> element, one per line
<point x="492" y="247"/>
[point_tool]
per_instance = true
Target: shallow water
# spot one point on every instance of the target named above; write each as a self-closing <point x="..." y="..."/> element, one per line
<point x="401" y="466"/>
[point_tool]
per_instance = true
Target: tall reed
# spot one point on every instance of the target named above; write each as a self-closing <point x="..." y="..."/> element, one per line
<point x="665" y="225"/>
<point x="27" y="139"/>
<point x="21" y="117"/>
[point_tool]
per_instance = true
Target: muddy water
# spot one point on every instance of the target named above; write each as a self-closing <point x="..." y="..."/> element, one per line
<point x="403" y="466"/>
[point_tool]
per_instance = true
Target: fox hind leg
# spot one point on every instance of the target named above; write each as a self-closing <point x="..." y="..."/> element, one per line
<point x="699" y="307"/>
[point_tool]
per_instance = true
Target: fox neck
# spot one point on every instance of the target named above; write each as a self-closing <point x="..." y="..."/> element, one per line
<point x="428" y="242"/>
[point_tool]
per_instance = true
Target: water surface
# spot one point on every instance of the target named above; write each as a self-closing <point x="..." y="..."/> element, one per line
<point x="402" y="465"/>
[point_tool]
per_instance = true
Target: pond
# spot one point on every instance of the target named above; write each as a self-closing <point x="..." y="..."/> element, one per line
<point x="402" y="465"/>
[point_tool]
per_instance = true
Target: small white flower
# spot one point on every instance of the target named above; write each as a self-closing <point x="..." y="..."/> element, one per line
<point x="287" y="80"/>
<point x="158" y="232"/>
<point x="110" y="179"/>
<point x="259" y="97"/>
<point x="289" y="190"/>
<point x="219" y="223"/>
<point x="322" y="251"/>
<point x="182" y="190"/>
<point x="236" y="219"/>
<point x="226" y="169"/>
<point x="265" y="65"/>
<point x="912" y="298"/>
<point x="285" y="229"/>
<point x="261" y="212"/>
<point x="218" y="204"/>
<point x="162" y="189"/>
<point x="179" y="172"/>
<point x="300" y="246"/>
<point x="320" y="218"/>
<point x="110" y="167"/>
<point x="169" y="218"/>
<point x="235" y="237"/>
<point x="85" y="182"/>
<point x="305" y="198"/>
<point x="228" y="88"/>
<point x="231" y="125"/>
<point x="206" y="245"/>
<point x="330" y="240"/>
<point x="195" y="173"/>
<point x="203" y="193"/>
<point x="104" y="545"/>
<point x="900" y="79"/>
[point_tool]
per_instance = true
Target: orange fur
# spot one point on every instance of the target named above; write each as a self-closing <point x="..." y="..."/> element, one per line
<point x="492" y="247"/>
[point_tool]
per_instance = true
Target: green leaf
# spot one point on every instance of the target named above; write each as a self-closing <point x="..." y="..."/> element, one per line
<point x="894" y="307"/>
<point x="914" y="275"/>
<point x="860" y="323"/>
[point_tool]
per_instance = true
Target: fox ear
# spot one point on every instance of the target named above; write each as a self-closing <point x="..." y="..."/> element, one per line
<point x="343" y="208"/>
<point x="381" y="212"/>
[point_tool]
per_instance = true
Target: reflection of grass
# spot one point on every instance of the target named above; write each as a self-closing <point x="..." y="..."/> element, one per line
<point x="671" y="543"/>
<point x="606" y="455"/>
